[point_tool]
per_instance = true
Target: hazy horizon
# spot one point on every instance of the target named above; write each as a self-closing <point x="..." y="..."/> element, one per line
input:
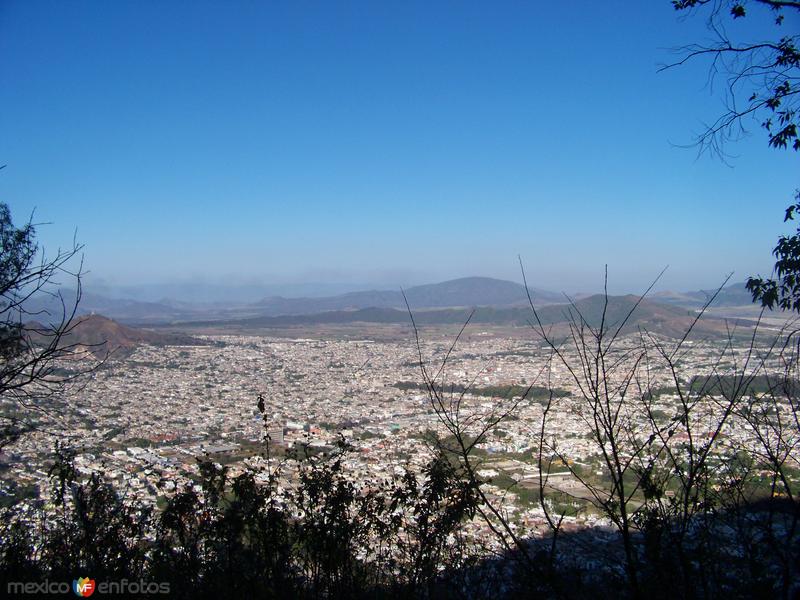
<point x="247" y="291"/>
<point x="378" y="146"/>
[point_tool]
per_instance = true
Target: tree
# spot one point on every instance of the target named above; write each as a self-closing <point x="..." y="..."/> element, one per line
<point x="33" y="342"/>
<point x="761" y="76"/>
<point x="225" y="536"/>
<point x="783" y="289"/>
<point x="762" y="82"/>
<point x="696" y="509"/>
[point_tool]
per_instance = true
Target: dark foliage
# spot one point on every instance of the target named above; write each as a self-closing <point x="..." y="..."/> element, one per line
<point x="239" y="537"/>
<point x="783" y="290"/>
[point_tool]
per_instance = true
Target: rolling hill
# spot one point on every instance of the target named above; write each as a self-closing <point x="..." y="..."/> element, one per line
<point x="658" y="318"/>
<point x="467" y="291"/>
<point x="101" y="335"/>
<point x="734" y="294"/>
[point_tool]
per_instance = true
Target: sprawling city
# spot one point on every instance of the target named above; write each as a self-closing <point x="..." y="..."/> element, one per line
<point x="384" y="300"/>
<point x="146" y="418"/>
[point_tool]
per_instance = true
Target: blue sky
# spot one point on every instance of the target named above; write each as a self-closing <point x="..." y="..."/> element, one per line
<point x="380" y="143"/>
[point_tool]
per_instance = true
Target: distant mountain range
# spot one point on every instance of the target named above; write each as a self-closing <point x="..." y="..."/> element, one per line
<point x="492" y="295"/>
<point x="101" y="335"/>
<point x="494" y="302"/>
<point x="468" y="291"/>
<point x="672" y="321"/>
<point x="49" y="308"/>
<point x="735" y="294"/>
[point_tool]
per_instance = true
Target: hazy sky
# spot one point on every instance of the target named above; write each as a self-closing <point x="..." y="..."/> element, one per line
<point x="380" y="142"/>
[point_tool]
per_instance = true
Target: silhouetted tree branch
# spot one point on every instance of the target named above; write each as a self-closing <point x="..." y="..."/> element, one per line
<point x="38" y="362"/>
<point x="762" y="82"/>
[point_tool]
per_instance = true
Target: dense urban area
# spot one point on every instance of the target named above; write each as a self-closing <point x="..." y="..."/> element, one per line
<point x="144" y="419"/>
